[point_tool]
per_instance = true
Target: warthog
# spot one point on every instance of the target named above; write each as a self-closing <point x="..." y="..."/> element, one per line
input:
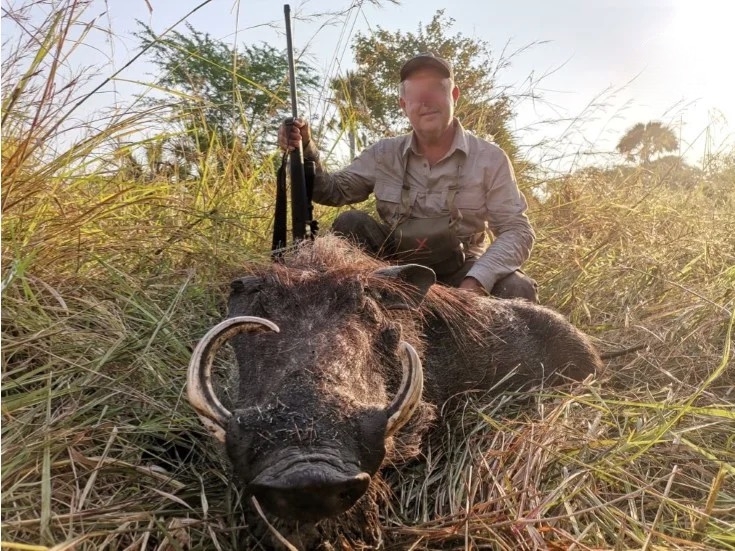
<point x="342" y="361"/>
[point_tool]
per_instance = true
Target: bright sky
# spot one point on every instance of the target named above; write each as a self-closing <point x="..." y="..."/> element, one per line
<point x="609" y="63"/>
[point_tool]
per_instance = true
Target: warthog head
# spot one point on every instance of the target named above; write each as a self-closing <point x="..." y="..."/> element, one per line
<point x="326" y="378"/>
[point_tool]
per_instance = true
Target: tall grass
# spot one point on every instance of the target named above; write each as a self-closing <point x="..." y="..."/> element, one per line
<point x="108" y="281"/>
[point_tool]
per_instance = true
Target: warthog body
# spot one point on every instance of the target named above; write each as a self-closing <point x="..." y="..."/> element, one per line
<point x="323" y="401"/>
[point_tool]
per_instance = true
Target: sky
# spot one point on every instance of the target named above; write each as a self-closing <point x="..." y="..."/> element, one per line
<point x="595" y="67"/>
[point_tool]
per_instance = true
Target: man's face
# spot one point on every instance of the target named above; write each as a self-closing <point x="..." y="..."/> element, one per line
<point x="428" y="101"/>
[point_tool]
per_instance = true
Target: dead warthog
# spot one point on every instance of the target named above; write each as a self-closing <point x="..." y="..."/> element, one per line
<point x="342" y="361"/>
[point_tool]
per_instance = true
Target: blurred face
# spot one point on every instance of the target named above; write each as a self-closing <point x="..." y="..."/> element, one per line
<point x="427" y="99"/>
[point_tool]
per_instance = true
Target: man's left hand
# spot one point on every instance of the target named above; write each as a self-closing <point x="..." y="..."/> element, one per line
<point x="472" y="285"/>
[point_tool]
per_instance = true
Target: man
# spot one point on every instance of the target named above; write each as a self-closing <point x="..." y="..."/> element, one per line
<point x="438" y="190"/>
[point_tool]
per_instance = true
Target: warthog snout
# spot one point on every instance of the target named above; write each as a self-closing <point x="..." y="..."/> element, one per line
<point x="309" y="491"/>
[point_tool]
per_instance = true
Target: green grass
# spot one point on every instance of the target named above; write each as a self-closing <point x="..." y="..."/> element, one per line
<point x="109" y="281"/>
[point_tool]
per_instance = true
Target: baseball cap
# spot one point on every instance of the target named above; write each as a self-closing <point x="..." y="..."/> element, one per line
<point x="426" y="59"/>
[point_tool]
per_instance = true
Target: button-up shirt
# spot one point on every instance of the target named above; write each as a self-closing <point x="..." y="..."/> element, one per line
<point x="488" y="195"/>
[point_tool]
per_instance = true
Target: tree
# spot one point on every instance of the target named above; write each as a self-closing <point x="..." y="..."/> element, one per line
<point x="223" y="94"/>
<point x="349" y="95"/>
<point x="379" y="55"/>
<point x="643" y="141"/>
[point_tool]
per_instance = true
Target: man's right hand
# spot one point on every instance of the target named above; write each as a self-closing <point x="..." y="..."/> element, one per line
<point x="290" y="135"/>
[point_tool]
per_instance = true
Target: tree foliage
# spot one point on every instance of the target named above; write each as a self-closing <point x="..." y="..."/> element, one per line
<point x="354" y="111"/>
<point x="216" y="89"/>
<point x="482" y="108"/>
<point x="643" y="141"/>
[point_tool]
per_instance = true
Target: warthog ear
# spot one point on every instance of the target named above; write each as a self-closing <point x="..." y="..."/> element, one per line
<point x="420" y="278"/>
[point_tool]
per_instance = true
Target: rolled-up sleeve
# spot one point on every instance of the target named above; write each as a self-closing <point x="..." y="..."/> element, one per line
<point x="507" y="220"/>
<point x="352" y="184"/>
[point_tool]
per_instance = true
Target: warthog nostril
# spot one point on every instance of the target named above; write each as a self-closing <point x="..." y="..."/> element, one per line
<point x="310" y="495"/>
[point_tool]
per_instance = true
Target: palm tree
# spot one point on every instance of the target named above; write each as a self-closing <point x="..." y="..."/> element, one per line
<point x="645" y="140"/>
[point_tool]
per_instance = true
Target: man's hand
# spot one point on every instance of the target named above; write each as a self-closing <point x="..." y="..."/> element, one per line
<point x="472" y="285"/>
<point x="290" y="135"/>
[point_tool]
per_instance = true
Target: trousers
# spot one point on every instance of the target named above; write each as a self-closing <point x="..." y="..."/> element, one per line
<point x="375" y="238"/>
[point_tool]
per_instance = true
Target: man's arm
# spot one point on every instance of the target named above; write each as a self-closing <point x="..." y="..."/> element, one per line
<point x="507" y="219"/>
<point x="352" y="184"/>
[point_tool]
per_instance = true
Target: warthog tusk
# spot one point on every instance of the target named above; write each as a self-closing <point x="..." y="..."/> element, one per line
<point x="199" y="389"/>
<point x="409" y="394"/>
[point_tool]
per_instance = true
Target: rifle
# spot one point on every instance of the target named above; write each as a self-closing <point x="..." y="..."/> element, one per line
<point x="302" y="224"/>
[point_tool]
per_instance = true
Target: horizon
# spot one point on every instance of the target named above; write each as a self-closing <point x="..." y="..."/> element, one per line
<point x="574" y="94"/>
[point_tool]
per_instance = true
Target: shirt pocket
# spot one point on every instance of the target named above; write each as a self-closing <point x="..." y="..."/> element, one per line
<point x="388" y="199"/>
<point x="470" y="201"/>
<point x="435" y="203"/>
<point x="471" y="198"/>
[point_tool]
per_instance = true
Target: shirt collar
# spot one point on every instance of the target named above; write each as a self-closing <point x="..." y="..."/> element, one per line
<point x="459" y="142"/>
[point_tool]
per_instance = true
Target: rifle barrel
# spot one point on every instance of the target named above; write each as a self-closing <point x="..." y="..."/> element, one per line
<point x="300" y="225"/>
<point x="291" y="64"/>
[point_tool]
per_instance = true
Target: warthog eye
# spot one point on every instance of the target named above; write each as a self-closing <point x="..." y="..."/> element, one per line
<point x="376" y="294"/>
<point x="369" y="308"/>
<point x="390" y="336"/>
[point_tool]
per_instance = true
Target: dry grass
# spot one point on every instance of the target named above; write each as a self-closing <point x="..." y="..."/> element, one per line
<point x="108" y="282"/>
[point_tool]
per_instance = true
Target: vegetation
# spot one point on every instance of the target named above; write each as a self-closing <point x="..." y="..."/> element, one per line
<point x="110" y="277"/>
<point x="643" y="141"/>
<point x="372" y="88"/>
<point x="204" y="77"/>
<point x="214" y="99"/>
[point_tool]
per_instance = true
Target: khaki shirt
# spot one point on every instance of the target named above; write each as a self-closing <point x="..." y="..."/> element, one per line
<point x="488" y="196"/>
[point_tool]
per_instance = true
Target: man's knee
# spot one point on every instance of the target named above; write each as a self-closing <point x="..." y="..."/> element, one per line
<point x="516" y="285"/>
<point x="362" y="229"/>
<point x="351" y="223"/>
